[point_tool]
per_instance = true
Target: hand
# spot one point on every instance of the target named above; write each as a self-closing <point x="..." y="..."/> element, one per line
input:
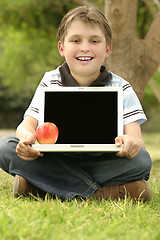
<point x="24" y="149"/>
<point x="131" y="147"/>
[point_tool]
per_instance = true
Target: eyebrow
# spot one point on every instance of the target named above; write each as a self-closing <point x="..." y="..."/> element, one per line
<point x="77" y="35"/>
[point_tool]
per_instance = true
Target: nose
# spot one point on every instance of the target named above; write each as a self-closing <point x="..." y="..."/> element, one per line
<point x="85" y="47"/>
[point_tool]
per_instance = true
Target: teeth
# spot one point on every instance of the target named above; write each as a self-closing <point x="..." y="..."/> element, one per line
<point x="84" y="58"/>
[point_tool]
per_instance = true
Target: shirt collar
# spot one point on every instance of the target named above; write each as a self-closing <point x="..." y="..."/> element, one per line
<point x="69" y="80"/>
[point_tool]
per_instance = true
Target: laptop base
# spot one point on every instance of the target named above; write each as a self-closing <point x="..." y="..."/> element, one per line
<point x="76" y="147"/>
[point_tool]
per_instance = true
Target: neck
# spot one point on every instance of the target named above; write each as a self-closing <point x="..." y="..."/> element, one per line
<point x="85" y="81"/>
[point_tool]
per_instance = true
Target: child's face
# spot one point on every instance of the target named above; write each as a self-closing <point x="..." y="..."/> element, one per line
<point x="85" y="50"/>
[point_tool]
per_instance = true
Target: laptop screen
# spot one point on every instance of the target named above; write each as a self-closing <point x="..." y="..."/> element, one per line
<point x="83" y="117"/>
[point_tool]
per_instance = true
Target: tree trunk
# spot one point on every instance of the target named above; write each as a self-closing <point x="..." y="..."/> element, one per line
<point x="134" y="59"/>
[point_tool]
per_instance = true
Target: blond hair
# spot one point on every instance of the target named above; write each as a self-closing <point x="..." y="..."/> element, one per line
<point x="85" y="14"/>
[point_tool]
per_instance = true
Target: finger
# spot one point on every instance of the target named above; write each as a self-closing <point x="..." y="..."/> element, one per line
<point x="120" y="154"/>
<point x="28" y="142"/>
<point x="118" y="144"/>
<point x="118" y="141"/>
<point x="28" y="139"/>
<point x="124" y="152"/>
<point x="28" y="157"/>
<point x="130" y="153"/>
<point x="27" y="152"/>
<point x="133" y="153"/>
<point x="23" y="147"/>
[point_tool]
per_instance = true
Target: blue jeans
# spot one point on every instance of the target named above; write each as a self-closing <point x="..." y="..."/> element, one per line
<point x="67" y="175"/>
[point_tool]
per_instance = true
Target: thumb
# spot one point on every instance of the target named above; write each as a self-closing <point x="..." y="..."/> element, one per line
<point x="118" y="141"/>
<point x="29" y="140"/>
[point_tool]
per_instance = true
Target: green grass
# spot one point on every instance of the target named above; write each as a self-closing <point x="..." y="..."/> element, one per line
<point x="35" y="219"/>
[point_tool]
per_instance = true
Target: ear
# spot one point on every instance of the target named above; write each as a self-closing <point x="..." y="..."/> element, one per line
<point x="108" y="50"/>
<point x="60" y="48"/>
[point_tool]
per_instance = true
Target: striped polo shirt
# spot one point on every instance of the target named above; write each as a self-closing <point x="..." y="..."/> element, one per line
<point x="132" y="109"/>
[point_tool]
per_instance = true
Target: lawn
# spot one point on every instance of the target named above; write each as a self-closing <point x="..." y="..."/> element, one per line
<point x="35" y="219"/>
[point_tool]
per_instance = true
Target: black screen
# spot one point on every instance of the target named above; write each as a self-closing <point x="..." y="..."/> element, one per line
<point x="83" y="117"/>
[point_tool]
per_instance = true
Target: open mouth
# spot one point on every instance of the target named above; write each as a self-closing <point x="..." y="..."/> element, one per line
<point x="84" y="59"/>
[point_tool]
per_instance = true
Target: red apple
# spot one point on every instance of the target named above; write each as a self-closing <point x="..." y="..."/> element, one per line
<point x="47" y="133"/>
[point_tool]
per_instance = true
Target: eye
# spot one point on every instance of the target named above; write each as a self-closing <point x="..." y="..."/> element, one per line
<point x="95" y="41"/>
<point x="75" y="41"/>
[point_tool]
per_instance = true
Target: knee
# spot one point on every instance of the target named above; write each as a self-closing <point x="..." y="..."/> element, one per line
<point x="144" y="160"/>
<point x="7" y="142"/>
<point x="3" y="142"/>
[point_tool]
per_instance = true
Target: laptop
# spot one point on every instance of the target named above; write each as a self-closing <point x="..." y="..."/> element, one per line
<point x="88" y="118"/>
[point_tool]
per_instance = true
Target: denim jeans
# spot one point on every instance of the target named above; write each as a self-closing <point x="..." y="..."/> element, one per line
<point x="67" y="175"/>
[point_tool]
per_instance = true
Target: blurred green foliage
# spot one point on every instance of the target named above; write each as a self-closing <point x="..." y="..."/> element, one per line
<point x="150" y="102"/>
<point x="28" y="40"/>
<point x="28" y="48"/>
<point x="151" y="106"/>
<point x="144" y="19"/>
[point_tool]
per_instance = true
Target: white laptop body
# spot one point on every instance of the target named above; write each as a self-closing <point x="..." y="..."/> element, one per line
<point x="88" y="118"/>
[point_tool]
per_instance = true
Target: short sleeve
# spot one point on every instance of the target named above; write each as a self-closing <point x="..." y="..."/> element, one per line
<point x="132" y="109"/>
<point x="33" y="109"/>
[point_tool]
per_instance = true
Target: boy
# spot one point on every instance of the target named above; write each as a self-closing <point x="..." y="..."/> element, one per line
<point x="85" y="42"/>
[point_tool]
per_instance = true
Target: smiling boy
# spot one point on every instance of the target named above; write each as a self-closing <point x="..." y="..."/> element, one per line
<point x="85" y="42"/>
<point x="84" y="49"/>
